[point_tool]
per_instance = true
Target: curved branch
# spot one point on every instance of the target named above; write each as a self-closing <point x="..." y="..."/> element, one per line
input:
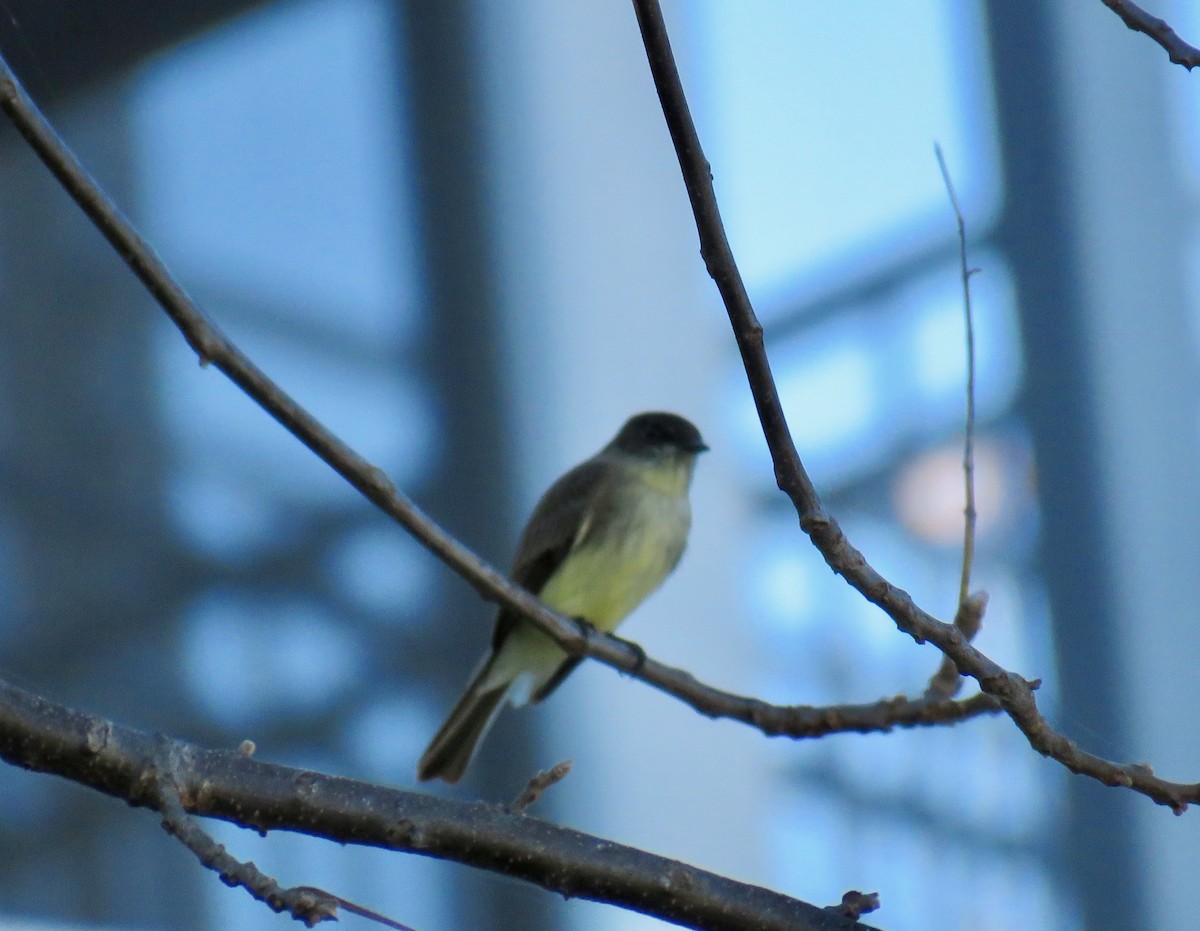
<point x="214" y="348"/>
<point x="1014" y="693"/>
<point x="1157" y="29"/>
<point x="229" y="785"/>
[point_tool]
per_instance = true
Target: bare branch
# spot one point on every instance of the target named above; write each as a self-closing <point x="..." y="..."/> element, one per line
<point x="305" y="904"/>
<point x="1014" y="693"/>
<point x="356" y="909"/>
<point x="119" y="761"/>
<point x="969" y="615"/>
<point x="969" y="513"/>
<point x="1159" y="30"/>
<point x="538" y="785"/>
<point x="213" y="347"/>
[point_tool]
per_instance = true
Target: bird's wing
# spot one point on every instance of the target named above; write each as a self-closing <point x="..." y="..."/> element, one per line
<point x="559" y="522"/>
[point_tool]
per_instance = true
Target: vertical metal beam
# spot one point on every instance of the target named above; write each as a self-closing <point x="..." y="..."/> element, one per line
<point x="83" y="465"/>
<point x="1037" y="235"/>
<point x="472" y="493"/>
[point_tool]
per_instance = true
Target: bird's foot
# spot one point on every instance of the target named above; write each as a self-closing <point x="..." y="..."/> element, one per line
<point x="639" y="654"/>
<point x="587" y="629"/>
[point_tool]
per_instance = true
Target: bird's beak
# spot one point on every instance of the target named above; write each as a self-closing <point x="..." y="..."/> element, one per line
<point x="698" y="447"/>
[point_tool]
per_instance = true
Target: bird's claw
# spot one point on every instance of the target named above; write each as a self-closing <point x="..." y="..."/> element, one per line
<point x="587" y="629"/>
<point x="639" y="653"/>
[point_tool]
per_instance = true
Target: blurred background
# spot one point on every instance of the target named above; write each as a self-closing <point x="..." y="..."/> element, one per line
<point x="457" y="232"/>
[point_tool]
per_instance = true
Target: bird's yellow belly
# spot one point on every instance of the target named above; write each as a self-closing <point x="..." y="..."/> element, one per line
<point x="604" y="580"/>
<point x="608" y="574"/>
<point x="603" y="584"/>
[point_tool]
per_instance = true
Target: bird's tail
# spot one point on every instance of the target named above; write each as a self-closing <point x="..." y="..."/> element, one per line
<point x="454" y="744"/>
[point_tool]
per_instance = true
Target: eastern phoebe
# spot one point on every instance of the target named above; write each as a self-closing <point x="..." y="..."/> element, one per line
<point x="602" y="538"/>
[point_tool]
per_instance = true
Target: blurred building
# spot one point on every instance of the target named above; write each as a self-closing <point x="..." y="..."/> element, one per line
<point x="457" y="233"/>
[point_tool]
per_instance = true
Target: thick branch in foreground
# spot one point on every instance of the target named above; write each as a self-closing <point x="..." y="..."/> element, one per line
<point x="230" y="785"/>
<point x="214" y="348"/>
<point x="1014" y="692"/>
<point x="1157" y="29"/>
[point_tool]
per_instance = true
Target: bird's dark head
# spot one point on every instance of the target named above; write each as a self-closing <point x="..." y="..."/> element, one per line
<point x="658" y="435"/>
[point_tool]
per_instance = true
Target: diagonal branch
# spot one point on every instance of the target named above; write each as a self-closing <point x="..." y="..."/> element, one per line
<point x="1157" y="29"/>
<point x="1013" y="692"/>
<point x="538" y="785"/>
<point x="125" y="763"/>
<point x="214" y="348"/>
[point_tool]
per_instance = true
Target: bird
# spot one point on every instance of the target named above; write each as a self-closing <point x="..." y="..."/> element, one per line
<point x="600" y="540"/>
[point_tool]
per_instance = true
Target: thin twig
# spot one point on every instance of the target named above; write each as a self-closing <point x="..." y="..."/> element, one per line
<point x="538" y="785"/>
<point x="969" y="513"/>
<point x="45" y="737"/>
<point x="213" y="347"/>
<point x="306" y="904"/>
<point x="1013" y="691"/>
<point x="1159" y="30"/>
<point x="357" y="909"/>
<point x="968" y="617"/>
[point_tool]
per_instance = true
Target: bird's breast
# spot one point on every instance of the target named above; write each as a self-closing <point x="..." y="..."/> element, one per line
<point x="628" y="551"/>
